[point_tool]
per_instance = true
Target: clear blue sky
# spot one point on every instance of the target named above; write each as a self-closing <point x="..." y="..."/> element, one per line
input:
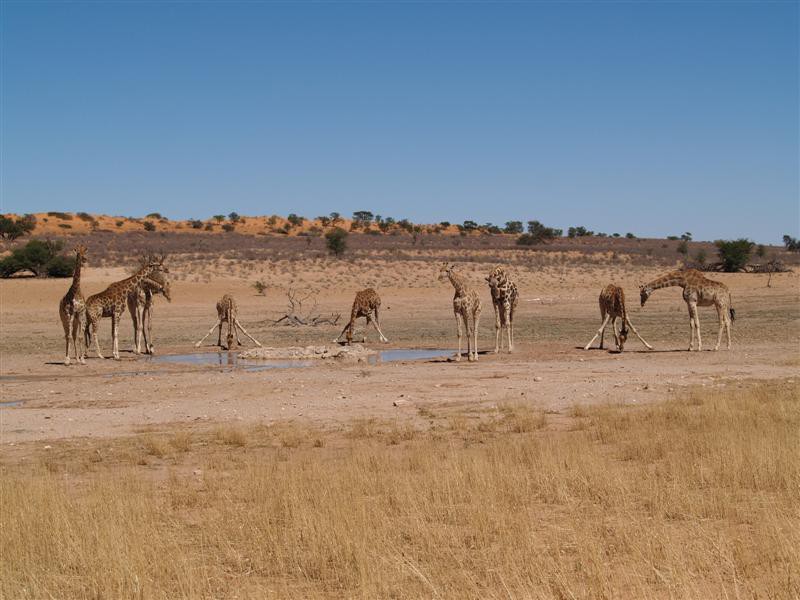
<point x="655" y="118"/>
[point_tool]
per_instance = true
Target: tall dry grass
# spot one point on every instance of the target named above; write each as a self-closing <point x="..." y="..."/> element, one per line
<point x="693" y="498"/>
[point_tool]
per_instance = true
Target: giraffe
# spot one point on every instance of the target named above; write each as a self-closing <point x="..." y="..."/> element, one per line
<point x="111" y="303"/>
<point x="140" y="304"/>
<point x="228" y="312"/>
<point x="612" y="305"/>
<point x="366" y="304"/>
<point x="72" y="308"/>
<point x="698" y="290"/>
<point x="467" y="309"/>
<point x="504" y="300"/>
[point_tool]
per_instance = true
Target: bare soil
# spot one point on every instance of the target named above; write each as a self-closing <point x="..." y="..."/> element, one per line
<point x="45" y="401"/>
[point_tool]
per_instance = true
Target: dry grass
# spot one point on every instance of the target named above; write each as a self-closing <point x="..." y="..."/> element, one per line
<point x="696" y="497"/>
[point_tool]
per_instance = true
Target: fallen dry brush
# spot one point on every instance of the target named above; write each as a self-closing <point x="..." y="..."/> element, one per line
<point x="693" y="498"/>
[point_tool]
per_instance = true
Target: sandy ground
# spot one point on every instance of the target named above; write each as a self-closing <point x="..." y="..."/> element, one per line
<point x="43" y="400"/>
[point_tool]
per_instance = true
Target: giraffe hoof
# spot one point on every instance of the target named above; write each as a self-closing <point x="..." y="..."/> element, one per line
<point x="66" y="361"/>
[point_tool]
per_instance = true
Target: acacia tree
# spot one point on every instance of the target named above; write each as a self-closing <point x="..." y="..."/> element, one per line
<point x="734" y="254"/>
<point x="336" y="240"/>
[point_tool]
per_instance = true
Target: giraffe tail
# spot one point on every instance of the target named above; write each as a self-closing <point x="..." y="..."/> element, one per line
<point x="731" y="310"/>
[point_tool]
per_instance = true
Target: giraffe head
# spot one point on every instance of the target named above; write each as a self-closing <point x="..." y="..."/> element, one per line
<point x="623" y="336"/>
<point x="445" y="270"/>
<point x="644" y="293"/>
<point x="81" y="255"/>
<point x="497" y="277"/>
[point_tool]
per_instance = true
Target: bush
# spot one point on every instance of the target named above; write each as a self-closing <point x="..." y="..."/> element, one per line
<point x="12" y="229"/>
<point x="324" y="221"/>
<point x="209" y="227"/>
<point x="734" y="254"/>
<point x="228" y="227"/>
<point x="40" y="258"/>
<point x="65" y="226"/>
<point x="85" y="216"/>
<point x="149" y="226"/>
<point x="538" y="234"/>
<point x="579" y="231"/>
<point x="234" y="217"/>
<point x="791" y="244"/>
<point x="119" y="223"/>
<point x="513" y="227"/>
<point x="60" y="215"/>
<point x="630" y="236"/>
<point x="154" y="216"/>
<point x="336" y="240"/>
<point x="195" y="224"/>
<point x="219" y="218"/>
<point x="683" y="248"/>
<point x="260" y="287"/>
<point x="700" y="257"/>
<point x="295" y="220"/>
<point x="491" y="228"/>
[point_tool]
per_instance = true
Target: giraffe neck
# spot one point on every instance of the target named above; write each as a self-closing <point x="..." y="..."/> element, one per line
<point x="668" y="280"/>
<point x="76" y="277"/>
<point x="458" y="283"/>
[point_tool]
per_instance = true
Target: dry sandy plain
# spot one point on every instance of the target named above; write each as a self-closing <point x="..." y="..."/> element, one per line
<point x="52" y="413"/>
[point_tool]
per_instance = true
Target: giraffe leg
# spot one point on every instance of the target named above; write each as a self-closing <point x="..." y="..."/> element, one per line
<point x="694" y="322"/>
<point x="115" y="336"/>
<point x="67" y="323"/>
<point x="598" y="334"/>
<point x="96" y="340"/>
<point x="468" y="331"/>
<point x="614" y="331"/>
<point x="78" y="340"/>
<point x="475" y="320"/>
<point x="147" y="329"/>
<point x="377" y="324"/>
<point x="239" y="325"/>
<point x="728" y="328"/>
<point x="458" y="326"/>
<point x="210" y="331"/>
<point x="641" y="339"/>
<point x="721" y="327"/>
<point x="497" y="328"/>
<point x="508" y="329"/>
<point x="346" y="327"/>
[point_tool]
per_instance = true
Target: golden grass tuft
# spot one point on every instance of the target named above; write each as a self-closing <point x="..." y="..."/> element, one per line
<point x="695" y="497"/>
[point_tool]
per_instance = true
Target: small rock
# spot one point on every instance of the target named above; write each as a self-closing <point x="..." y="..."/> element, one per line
<point x="400" y="402"/>
<point x="47" y="447"/>
<point x="197" y="472"/>
<point x="537" y="379"/>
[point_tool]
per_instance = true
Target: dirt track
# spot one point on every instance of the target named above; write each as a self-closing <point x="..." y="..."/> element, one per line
<point x="558" y="314"/>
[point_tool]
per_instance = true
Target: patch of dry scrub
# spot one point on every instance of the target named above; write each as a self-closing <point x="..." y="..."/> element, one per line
<point x="694" y="497"/>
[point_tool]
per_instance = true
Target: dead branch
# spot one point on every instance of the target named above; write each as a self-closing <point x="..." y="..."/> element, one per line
<point x="297" y="316"/>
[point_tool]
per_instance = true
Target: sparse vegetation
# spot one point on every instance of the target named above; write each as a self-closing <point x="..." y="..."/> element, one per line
<point x="694" y="497"/>
<point x="260" y="287"/>
<point x="514" y="227"/>
<point x="154" y="215"/>
<point x="60" y="215"/>
<point x="579" y="231"/>
<point x="538" y="234"/>
<point x="791" y="244"/>
<point x="149" y="226"/>
<point x="228" y="227"/>
<point x="11" y="229"/>
<point x="83" y="216"/>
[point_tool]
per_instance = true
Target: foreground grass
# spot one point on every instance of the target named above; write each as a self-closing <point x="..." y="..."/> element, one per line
<point x="696" y="497"/>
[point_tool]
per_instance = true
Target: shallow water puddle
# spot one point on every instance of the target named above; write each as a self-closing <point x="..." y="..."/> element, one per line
<point x="231" y="359"/>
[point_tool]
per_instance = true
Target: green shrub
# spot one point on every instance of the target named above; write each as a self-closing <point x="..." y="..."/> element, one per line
<point x="119" y="223"/>
<point x="513" y="227"/>
<point x="40" y="258"/>
<point x="11" y="229"/>
<point x="154" y="215"/>
<point x="734" y="254"/>
<point x="149" y="226"/>
<point x="83" y="216"/>
<point x="228" y="227"/>
<point x="195" y="224"/>
<point x="60" y="215"/>
<point x="336" y="240"/>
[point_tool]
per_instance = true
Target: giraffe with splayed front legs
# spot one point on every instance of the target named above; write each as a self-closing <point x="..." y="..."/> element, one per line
<point x="140" y="305"/>
<point x="504" y="300"/>
<point x="467" y="309"/>
<point x="72" y="308"/>
<point x="612" y="307"/>
<point x="112" y="301"/>
<point x="366" y="304"/>
<point x="698" y="290"/>
<point x="228" y="312"/>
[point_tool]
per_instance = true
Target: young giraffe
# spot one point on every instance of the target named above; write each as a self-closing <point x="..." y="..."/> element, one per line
<point x="228" y="312"/>
<point x="366" y="304"/>
<point x="612" y="305"/>
<point x="140" y="305"/>
<point x="111" y="303"/>
<point x="698" y="290"/>
<point x="466" y="307"/>
<point x="504" y="300"/>
<point x="72" y="308"/>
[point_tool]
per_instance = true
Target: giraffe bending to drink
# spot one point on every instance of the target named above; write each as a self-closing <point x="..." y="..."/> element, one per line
<point x="366" y="304"/>
<point x="72" y="308"/>
<point x="228" y="312"/>
<point x="140" y="305"/>
<point x="698" y="290"/>
<point x="612" y="306"/>
<point x="112" y="301"/>
<point x="467" y="310"/>
<point x="504" y="300"/>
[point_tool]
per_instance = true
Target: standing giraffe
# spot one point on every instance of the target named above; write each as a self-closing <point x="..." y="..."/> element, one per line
<point x="612" y="305"/>
<point x="504" y="300"/>
<point x="366" y="304"/>
<point x="140" y="305"/>
<point x="228" y="312"/>
<point x="467" y="309"/>
<point x="72" y="308"/>
<point x="111" y="303"/>
<point x="698" y="290"/>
